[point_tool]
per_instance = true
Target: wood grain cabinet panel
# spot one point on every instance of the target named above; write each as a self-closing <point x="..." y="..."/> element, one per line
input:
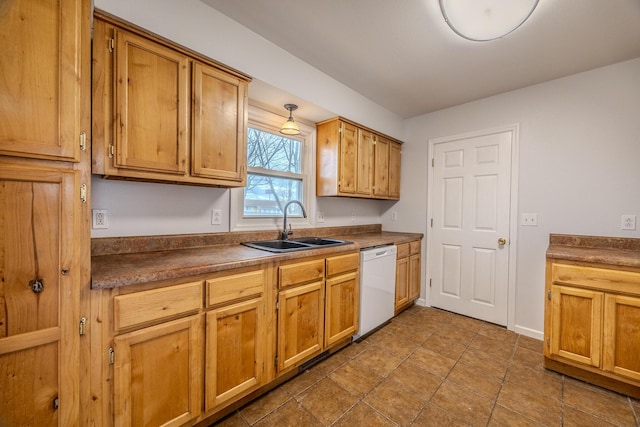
<point x="342" y="301"/>
<point x="158" y="374"/>
<point x="408" y="275"/>
<point x="354" y="161"/>
<point x="42" y="76"/>
<point x="621" y="346"/>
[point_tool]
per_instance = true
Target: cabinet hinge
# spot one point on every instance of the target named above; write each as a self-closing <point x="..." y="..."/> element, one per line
<point x="112" y="151"/>
<point x="83" y="324"/>
<point x="112" y="44"/>
<point x="56" y="403"/>
<point x="83" y="141"/>
<point x="83" y="193"/>
<point x="548" y="342"/>
<point x="432" y="222"/>
<point x="277" y="305"/>
<point x="549" y="295"/>
<point x="275" y="361"/>
<point x="429" y="282"/>
<point x="112" y="356"/>
<point x="433" y="162"/>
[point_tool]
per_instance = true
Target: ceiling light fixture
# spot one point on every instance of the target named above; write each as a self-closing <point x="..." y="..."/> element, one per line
<point x="290" y="127"/>
<point x="485" y="20"/>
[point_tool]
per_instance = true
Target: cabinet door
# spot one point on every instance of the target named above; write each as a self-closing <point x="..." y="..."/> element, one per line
<point x="414" y="277"/>
<point x="342" y="301"/>
<point x="41" y="77"/>
<point x="621" y="347"/>
<point x="219" y="121"/>
<point x="576" y="324"/>
<point x="402" y="282"/>
<point x="39" y="295"/>
<point x="152" y="106"/>
<point x="381" y="167"/>
<point x="300" y="323"/>
<point x="348" y="158"/>
<point x="364" y="179"/>
<point x="395" y="151"/>
<point x="235" y="351"/>
<point x="158" y="374"/>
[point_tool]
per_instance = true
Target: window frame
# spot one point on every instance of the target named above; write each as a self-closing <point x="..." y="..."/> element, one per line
<point x="263" y="119"/>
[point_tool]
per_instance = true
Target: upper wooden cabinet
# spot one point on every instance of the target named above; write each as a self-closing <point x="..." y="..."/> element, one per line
<point x="41" y="82"/>
<point x="164" y="113"/>
<point x="354" y="161"/>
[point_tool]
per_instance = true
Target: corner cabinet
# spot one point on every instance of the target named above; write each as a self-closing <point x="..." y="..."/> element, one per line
<point x="44" y="211"/>
<point x="163" y="113"/>
<point x="408" y="273"/>
<point x="592" y="323"/>
<point x="354" y="161"/>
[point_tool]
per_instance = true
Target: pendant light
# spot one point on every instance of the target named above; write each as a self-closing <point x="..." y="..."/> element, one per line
<point x="290" y="127"/>
<point x="485" y="20"/>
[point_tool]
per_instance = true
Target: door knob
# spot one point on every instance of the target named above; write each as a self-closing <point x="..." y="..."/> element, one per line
<point x="502" y="241"/>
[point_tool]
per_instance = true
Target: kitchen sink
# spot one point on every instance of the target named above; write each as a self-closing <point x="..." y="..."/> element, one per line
<point x="292" y="245"/>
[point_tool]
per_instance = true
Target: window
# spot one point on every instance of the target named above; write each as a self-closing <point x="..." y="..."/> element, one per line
<point x="280" y="168"/>
<point x="274" y="174"/>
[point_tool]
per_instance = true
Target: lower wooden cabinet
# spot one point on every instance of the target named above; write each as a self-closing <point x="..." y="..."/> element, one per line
<point x="158" y="374"/>
<point x="592" y="323"/>
<point x="407" y="275"/>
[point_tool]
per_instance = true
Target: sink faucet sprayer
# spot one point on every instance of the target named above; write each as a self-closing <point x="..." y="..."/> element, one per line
<point x="284" y="235"/>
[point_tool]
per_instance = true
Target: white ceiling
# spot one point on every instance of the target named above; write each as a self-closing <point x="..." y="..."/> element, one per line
<point x="402" y="55"/>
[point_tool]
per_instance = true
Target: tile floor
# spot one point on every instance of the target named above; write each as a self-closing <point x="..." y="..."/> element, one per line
<point x="429" y="367"/>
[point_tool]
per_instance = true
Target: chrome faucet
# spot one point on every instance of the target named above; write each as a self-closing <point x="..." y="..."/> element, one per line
<point x="284" y="234"/>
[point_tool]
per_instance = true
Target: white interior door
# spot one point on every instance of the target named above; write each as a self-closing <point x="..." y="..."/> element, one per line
<point x="471" y="199"/>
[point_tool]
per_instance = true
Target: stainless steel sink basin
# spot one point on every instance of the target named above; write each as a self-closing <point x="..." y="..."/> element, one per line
<point x="299" y="244"/>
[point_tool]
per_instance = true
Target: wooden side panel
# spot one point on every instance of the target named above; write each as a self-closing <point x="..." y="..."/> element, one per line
<point x="158" y="374"/>
<point x="235" y="286"/>
<point x="41" y="75"/>
<point x="152" y="105"/>
<point x="622" y="336"/>
<point x="327" y="150"/>
<point x="342" y="304"/>
<point x="38" y="251"/>
<point x="300" y="323"/>
<point x="301" y="272"/>
<point x="364" y="179"/>
<point x="219" y="141"/>
<point x="395" y="153"/>
<point x="156" y="304"/>
<point x="576" y="324"/>
<point x="235" y="351"/>
<point x="381" y="167"/>
<point x="342" y="264"/>
<point x="402" y="282"/>
<point x="348" y="158"/>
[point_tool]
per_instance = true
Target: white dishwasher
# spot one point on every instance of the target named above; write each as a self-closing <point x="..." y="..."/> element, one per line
<point x="377" y="287"/>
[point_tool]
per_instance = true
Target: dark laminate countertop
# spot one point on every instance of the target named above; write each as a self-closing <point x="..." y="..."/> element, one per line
<point x="110" y="270"/>
<point x="618" y="251"/>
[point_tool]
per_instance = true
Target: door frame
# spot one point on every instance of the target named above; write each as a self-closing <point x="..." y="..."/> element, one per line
<point x="513" y="209"/>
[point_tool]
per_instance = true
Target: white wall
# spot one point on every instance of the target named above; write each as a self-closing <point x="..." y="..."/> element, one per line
<point x="579" y="165"/>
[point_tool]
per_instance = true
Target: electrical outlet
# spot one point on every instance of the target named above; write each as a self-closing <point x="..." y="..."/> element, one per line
<point x="320" y="217"/>
<point x="100" y="219"/>
<point x="353" y="217"/>
<point x="628" y="222"/>
<point x="529" y="219"/>
<point x="216" y="217"/>
<point x="394" y="216"/>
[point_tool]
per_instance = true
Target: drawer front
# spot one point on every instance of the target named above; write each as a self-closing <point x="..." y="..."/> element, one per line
<point x="403" y="250"/>
<point x="596" y="278"/>
<point x="414" y="247"/>
<point x="235" y="286"/>
<point x="342" y="264"/>
<point x="301" y="272"/>
<point x="156" y="304"/>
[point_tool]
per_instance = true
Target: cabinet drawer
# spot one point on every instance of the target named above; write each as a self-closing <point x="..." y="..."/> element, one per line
<point x="156" y="304"/>
<point x="596" y="278"/>
<point x="301" y="272"/>
<point x="403" y="250"/>
<point x="414" y="247"/>
<point x="236" y="286"/>
<point x="342" y="264"/>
